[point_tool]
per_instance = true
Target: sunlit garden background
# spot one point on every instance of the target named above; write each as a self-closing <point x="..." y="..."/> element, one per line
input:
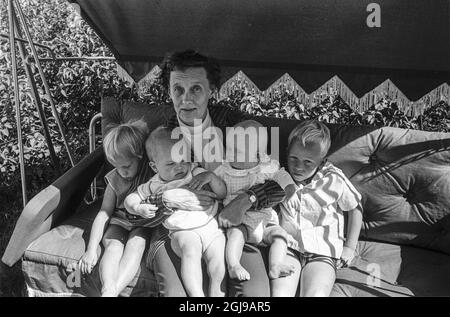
<point x="77" y="87"/>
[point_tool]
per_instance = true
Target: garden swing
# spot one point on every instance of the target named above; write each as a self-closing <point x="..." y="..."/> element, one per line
<point x="359" y="50"/>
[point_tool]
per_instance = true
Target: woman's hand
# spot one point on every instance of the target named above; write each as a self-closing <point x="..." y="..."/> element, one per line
<point x="233" y="213"/>
<point x="347" y="257"/>
<point x="200" y="180"/>
<point x="88" y="261"/>
<point x="292" y="199"/>
<point x="188" y="199"/>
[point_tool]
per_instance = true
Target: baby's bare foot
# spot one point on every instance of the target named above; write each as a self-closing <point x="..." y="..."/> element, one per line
<point x="238" y="272"/>
<point x="280" y="270"/>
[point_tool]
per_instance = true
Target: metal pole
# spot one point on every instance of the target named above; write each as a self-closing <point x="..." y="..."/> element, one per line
<point x="19" y="39"/>
<point x="35" y="95"/>
<point x="16" y="101"/>
<point x="94" y="120"/>
<point x="44" y="81"/>
<point x="80" y="58"/>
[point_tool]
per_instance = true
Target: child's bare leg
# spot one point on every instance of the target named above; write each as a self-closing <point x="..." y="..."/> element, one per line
<point x="131" y="258"/>
<point x="277" y="259"/>
<point x="187" y="245"/>
<point x="215" y="261"/>
<point x="287" y="286"/>
<point x="113" y="241"/>
<point x="233" y="253"/>
<point x="317" y="279"/>
<point x="276" y="237"/>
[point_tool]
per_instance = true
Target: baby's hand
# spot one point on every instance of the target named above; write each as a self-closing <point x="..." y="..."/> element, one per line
<point x="292" y="200"/>
<point x="201" y="180"/>
<point x="87" y="262"/>
<point x="146" y="210"/>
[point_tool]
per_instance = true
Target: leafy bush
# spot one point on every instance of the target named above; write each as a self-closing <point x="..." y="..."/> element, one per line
<point x="436" y="118"/>
<point x="76" y="87"/>
<point x="333" y="109"/>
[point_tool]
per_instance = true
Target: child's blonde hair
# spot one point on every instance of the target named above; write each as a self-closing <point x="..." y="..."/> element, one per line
<point x="311" y="131"/>
<point x="125" y="140"/>
<point x="161" y="135"/>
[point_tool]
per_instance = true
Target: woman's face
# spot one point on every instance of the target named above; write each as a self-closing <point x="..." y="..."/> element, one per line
<point x="190" y="92"/>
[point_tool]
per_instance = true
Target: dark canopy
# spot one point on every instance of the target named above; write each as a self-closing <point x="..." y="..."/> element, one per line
<point x="311" y="40"/>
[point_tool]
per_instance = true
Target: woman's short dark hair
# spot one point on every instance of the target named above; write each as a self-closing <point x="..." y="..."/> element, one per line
<point x="182" y="60"/>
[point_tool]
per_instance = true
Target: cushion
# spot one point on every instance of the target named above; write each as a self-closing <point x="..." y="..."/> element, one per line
<point x="45" y="262"/>
<point x="382" y="269"/>
<point x="118" y="111"/>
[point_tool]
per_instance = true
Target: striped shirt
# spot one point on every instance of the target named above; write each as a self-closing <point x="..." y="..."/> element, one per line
<point x="318" y="227"/>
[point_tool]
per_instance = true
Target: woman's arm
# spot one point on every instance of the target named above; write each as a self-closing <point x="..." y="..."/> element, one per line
<point x="182" y="198"/>
<point x="260" y="196"/>
<point x="267" y="195"/>
<point x="217" y="185"/>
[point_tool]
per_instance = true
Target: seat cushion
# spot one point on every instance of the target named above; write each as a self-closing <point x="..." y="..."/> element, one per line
<point x="382" y="269"/>
<point x="45" y="262"/>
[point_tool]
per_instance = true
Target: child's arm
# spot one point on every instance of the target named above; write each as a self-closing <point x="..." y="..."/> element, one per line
<point x="134" y="206"/>
<point x="353" y="230"/>
<point x="90" y="258"/>
<point x="217" y="185"/>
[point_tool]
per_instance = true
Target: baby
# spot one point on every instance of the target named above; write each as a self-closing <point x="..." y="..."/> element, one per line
<point x="194" y="234"/>
<point x="315" y="216"/>
<point x="251" y="166"/>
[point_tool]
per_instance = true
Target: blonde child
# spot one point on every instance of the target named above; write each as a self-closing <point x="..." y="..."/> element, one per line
<point x="194" y="234"/>
<point x="124" y="244"/>
<point x="246" y="165"/>
<point x="314" y="215"/>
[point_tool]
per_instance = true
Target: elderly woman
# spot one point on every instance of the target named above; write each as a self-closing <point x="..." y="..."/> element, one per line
<point x="191" y="79"/>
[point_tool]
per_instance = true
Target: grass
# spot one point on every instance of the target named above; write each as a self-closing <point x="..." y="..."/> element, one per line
<point x="11" y="278"/>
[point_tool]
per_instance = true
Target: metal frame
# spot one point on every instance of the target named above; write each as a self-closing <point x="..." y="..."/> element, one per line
<point x="93" y="190"/>
<point x="15" y="35"/>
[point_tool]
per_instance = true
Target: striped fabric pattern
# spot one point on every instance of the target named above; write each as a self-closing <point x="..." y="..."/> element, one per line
<point x="318" y="226"/>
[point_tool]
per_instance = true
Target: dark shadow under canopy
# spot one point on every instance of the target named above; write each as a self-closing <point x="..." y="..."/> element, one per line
<point x="309" y="39"/>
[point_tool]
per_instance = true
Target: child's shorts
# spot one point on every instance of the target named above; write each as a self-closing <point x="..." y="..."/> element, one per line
<point x="306" y="258"/>
<point x="129" y="222"/>
<point x="207" y="233"/>
<point x="123" y="219"/>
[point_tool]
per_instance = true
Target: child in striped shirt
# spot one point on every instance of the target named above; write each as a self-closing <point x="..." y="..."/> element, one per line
<point x="314" y="214"/>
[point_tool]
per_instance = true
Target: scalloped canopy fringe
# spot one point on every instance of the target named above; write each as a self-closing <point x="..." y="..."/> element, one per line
<point x="240" y="81"/>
